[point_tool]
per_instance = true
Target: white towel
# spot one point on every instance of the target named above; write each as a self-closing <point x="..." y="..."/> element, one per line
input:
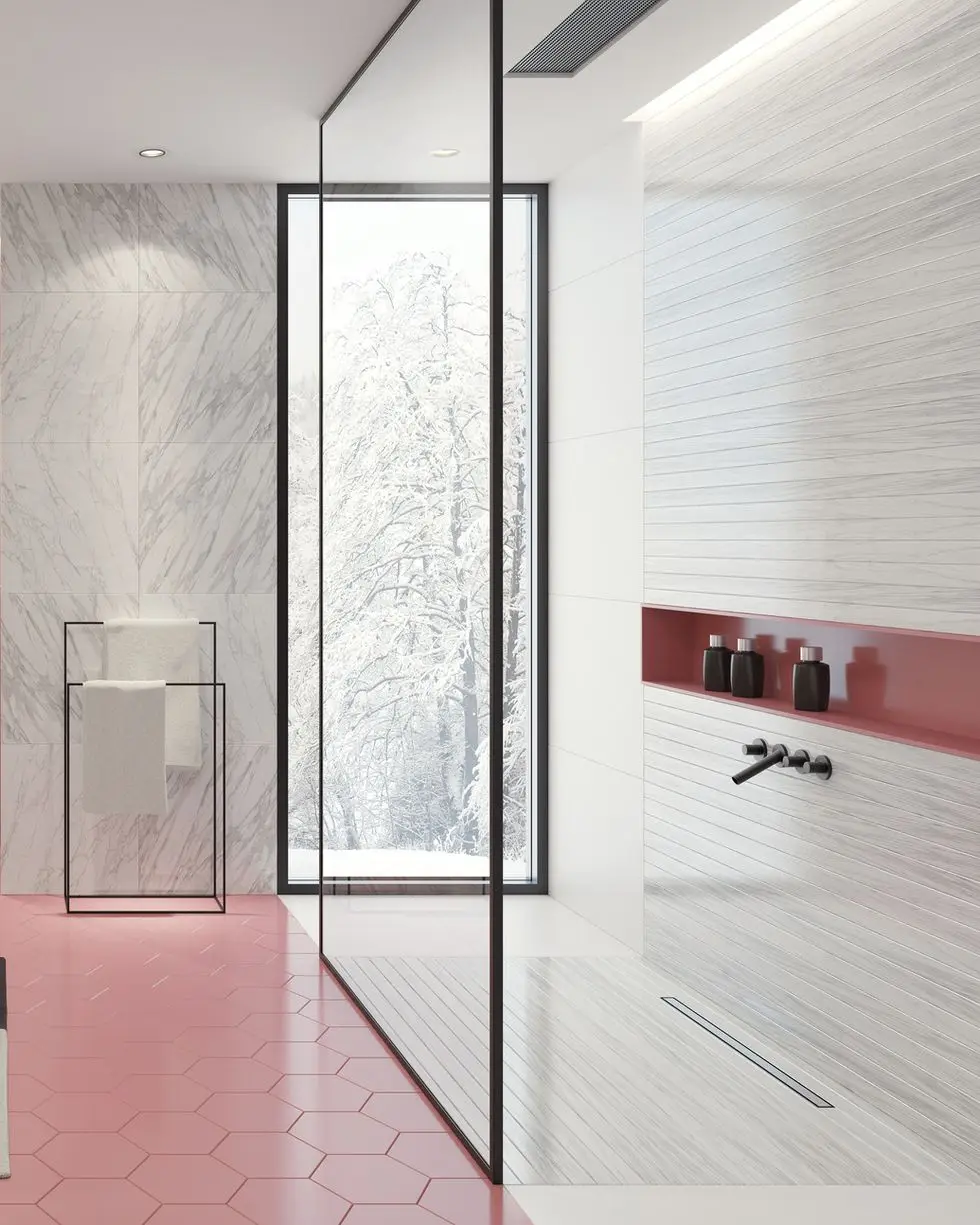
<point x="145" y="650"/>
<point x="123" y="742"/>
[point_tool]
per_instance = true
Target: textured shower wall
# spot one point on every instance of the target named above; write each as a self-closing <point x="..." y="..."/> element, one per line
<point x="139" y="476"/>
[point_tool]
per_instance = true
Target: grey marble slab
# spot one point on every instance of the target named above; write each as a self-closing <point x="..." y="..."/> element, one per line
<point x="69" y="367"/>
<point x="246" y="628"/>
<point x="74" y="237"/>
<point x="252" y="807"/>
<point x="207" y="367"/>
<point x="207" y="518"/>
<point x="32" y="658"/>
<point x="69" y="517"/>
<point x="204" y="236"/>
<point x="32" y="800"/>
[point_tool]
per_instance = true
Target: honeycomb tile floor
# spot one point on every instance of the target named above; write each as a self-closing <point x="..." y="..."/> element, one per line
<point x="206" y="1070"/>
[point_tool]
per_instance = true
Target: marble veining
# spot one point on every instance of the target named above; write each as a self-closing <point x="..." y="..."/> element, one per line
<point x="175" y="851"/>
<point x="74" y="237"/>
<point x="204" y="236"/>
<point x="252" y="824"/>
<point x="32" y="801"/>
<point x="207" y="518"/>
<point x="207" y="367"/>
<point x="246" y="626"/>
<point x="32" y="658"/>
<point x="69" y="517"/>
<point x="69" y="367"/>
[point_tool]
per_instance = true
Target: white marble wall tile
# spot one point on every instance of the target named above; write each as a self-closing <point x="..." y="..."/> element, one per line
<point x="32" y="648"/>
<point x="252" y="819"/>
<point x="32" y="803"/>
<point x="203" y="236"/>
<point x="104" y="851"/>
<point x="69" y="517"/>
<point x="207" y="518"/>
<point x="72" y="237"/>
<point x="69" y="367"/>
<point x="246" y="627"/>
<point x="176" y="850"/>
<point x="207" y="367"/>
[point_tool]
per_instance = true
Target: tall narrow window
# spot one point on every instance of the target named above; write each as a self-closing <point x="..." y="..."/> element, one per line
<point x="405" y="544"/>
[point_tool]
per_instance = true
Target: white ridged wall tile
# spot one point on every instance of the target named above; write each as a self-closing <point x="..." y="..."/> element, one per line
<point x="207" y="236"/>
<point x="69" y="518"/>
<point x="69" y="367"/>
<point x="219" y="534"/>
<point x="596" y="520"/>
<point x="207" y="367"/>
<point x="68" y="237"/>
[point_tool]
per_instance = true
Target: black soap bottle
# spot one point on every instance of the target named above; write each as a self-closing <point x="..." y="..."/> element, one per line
<point x="748" y="670"/>
<point x="811" y="680"/>
<point x="717" y="666"/>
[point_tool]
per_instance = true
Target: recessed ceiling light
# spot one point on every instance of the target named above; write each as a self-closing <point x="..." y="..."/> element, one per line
<point x="444" y="152"/>
<point x="153" y="152"/>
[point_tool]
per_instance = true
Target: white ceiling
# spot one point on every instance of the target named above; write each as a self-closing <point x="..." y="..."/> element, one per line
<point x="234" y="88"/>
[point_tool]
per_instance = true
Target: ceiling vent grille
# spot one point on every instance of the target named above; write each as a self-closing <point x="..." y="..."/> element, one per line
<point x="583" y="35"/>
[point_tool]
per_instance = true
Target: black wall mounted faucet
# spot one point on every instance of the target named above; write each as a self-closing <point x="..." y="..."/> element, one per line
<point x="774" y="757"/>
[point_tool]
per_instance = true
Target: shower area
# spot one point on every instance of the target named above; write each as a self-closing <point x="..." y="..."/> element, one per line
<point x="562" y="397"/>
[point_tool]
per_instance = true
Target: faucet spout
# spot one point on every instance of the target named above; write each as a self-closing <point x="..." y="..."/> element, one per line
<point x="773" y="758"/>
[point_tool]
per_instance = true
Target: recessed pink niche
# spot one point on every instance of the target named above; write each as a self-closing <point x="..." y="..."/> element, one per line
<point x="902" y="685"/>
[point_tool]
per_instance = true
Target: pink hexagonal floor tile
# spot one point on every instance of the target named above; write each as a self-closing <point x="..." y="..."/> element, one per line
<point x="28" y="1132"/>
<point x="356" y="1043"/>
<point x="29" y="1180"/>
<point x="320" y="1092"/>
<point x="371" y="1179"/>
<point x="23" y="1214"/>
<point x="221" y="1040"/>
<point x="288" y="1201"/>
<point x="187" y="1180"/>
<point x="268" y="1155"/>
<point x="378" y="1075"/>
<point x="286" y="942"/>
<point x="228" y="1012"/>
<point x="391" y="1214"/>
<point x="317" y="987"/>
<point x="63" y="1041"/>
<point x="173" y="1133"/>
<point x="403" y="1111"/>
<point x="340" y="1132"/>
<point x="283" y="1027"/>
<point x="204" y="1214"/>
<point x="340" y="1013"/>
<point x="164" y="1092"/>
<point x="96" y="1155"/>
<point x="153" y="1058"/>
<point x="249" y="1112"/>
<point x="439" y="1156"/>
<point x="267" y="999"/>
<point x="472" y="1201"/>
<point x="233" y="1075"/>
<point x="25" y="1093"/>
<point x="270" y="975"/>
<point x="306" y="1058"/>
<point x="85" y="1112"/>
<point x="80" y="1075"/>
<point x="80" y="1201"/>
<point x="300" y="963"/>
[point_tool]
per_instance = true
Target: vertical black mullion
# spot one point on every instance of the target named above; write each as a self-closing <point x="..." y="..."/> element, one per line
<point x="540" y="638"/>
<point x="319" y="592"/>
<point x="496" y="662"/>
<point x="282" y="541"/>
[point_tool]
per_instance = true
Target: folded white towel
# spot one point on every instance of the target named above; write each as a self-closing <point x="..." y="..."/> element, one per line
<point x="143" y="650"/>
<point x="123" y="741"/>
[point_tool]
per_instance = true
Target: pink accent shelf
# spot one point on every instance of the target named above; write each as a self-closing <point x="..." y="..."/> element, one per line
<point x="904" y="685"/>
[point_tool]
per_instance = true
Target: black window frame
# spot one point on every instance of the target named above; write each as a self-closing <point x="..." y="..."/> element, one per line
<point x="537" y="193"/>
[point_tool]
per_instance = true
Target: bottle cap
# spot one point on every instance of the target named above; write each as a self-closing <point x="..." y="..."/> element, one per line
<point x="746" y="644"/>
<point x="716" y="640"/>
<point x="810" y="655"/>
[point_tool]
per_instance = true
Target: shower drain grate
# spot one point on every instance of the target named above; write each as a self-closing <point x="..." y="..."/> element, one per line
<point x="747" y="1052"/>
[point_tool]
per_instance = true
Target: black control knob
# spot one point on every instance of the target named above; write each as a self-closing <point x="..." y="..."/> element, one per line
<point x="758" y="748"/>
<point x="820" y="766"/>
<point x="800" y="759"/>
